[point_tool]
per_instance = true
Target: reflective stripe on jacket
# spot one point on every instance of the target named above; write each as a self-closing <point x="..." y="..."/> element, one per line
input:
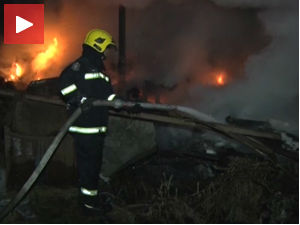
<point x="87" y="130"/>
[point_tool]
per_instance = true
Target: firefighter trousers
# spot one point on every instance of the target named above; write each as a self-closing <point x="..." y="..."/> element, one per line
<point x="89" y="151"/>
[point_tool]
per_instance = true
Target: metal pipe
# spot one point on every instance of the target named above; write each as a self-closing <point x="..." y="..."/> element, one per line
<point x="122" y="46"/>
<point x="196" y="115"/>
<point x="122" y="38"/>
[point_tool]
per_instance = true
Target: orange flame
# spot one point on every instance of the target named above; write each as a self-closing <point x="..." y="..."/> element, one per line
<point x="19" y="70"/>
<point x="12" y="77"/>
<point x="220" y="79"/>
<point x="41" y="61"/>
<point x="16" y="72"/>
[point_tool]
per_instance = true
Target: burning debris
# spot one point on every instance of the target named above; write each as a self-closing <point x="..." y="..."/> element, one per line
<point x="15" y="73"/>
<point x="23" y="72"/>
<point x="221" y="80"/>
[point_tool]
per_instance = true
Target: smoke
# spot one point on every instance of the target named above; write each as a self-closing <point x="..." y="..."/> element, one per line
<point x="270" y="89"/>
<point x="130" y="4"/>
<point x="253" y="3"/>
<point x="178" y="47"/>
<point x="72" y="21"/>
<point x="181" y="44"/>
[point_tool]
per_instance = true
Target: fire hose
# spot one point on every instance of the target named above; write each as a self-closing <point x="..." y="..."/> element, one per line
<point x="117" y="104"/>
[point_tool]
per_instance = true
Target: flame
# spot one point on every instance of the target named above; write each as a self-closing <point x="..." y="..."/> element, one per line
<point x="16" y="72"/>
<point x="12" y="77"/>
<point x="151" y="99"/>
<point x="41" y="61"/>
<point x="220" y="79"/>
<point x="19" y="70"/>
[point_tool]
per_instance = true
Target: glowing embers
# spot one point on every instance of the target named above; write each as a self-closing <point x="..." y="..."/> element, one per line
<point x="220" y="79"/>
<point x="217" y="78"/>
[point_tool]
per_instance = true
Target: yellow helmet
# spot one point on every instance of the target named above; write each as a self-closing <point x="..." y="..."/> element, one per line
<point x="99" y="40"/>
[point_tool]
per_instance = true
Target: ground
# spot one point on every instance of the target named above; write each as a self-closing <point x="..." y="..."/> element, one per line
<point x="245" y="191"/>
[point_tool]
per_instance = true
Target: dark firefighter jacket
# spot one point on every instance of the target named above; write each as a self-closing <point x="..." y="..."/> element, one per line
<point x="85" y="78"/>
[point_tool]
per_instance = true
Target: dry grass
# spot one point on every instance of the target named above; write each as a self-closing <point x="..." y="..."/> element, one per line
<point x="249" y="191"/>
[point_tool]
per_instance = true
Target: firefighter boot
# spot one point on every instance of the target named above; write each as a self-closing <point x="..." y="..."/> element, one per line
<point x="93" y="206"/>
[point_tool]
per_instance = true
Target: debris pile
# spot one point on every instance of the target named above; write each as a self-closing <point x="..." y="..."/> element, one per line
<point x="163" y="173"/>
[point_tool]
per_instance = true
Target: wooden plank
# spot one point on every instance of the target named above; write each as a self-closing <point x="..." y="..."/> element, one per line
<point x="196" y="125"/>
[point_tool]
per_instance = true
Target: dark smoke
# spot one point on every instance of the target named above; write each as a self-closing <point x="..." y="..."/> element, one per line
<point x="180" y="44"/>
<point x="176" y="46"/>
<point x="255" y="42"/>
<point x="271" y="87"/>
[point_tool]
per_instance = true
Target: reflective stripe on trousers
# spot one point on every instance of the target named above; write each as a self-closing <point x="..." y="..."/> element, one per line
<point x="88" y="130"/>
<point x="89" y="206"/>
<point x="88" y="192"/>
<point x="111" y="97"/>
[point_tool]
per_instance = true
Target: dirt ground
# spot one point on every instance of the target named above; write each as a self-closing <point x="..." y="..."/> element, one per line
<point x="246" y="191"/>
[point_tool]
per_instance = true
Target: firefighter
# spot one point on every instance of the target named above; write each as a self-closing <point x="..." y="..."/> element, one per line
<point x="80" y="84"/>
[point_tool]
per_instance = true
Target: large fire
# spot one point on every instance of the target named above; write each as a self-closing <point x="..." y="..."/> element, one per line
<point x="39" y="63"/>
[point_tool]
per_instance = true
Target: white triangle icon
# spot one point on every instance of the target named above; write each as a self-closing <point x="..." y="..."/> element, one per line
<point x="22" y="24"/>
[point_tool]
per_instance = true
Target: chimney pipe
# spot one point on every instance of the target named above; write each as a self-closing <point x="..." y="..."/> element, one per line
<point x="122" y="42"/>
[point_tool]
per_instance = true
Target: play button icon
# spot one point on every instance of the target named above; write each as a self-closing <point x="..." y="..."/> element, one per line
<point x="22" y="24"/>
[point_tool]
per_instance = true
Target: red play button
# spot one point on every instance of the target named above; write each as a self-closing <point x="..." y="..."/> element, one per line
<point x="23" y="23"/>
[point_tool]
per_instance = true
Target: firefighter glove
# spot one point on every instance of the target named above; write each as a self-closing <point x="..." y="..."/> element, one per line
<point x="86" y="104"/>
